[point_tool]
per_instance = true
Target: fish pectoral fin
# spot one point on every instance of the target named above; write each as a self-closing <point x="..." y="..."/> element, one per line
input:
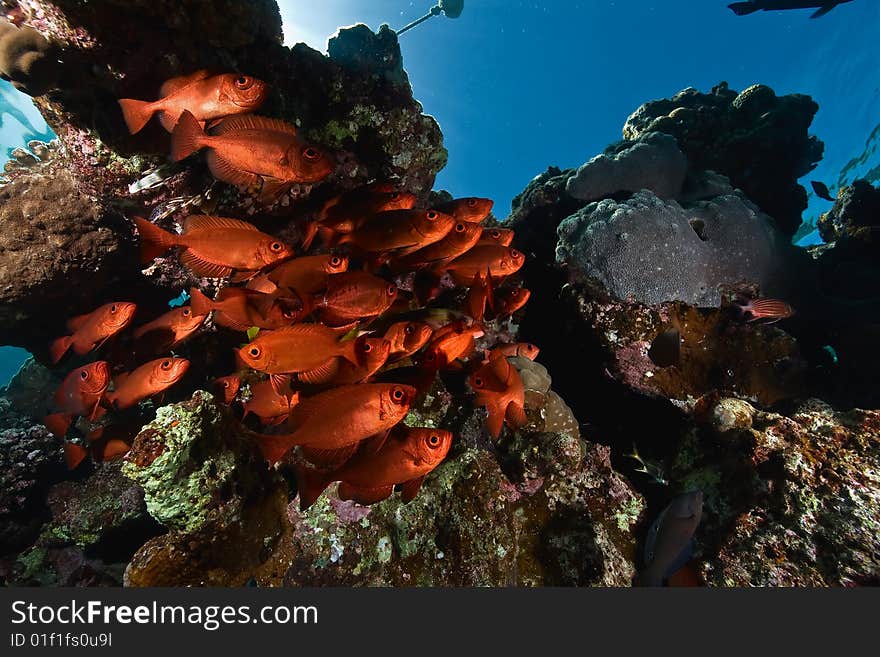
<point x="321" y="374"/>
<point x="516" y="416"/>
<point x="329" y="458"/>
<point x="364" y="496"/>
<point x="280" y="383"/>
<point x="201" y="267"/>
<point x="374" y="445"/>
<point x="824" y="10"/>
<point x="411" y="489"/>
<point x="494" y="422"/>
<point x="223" y="169"/>
<point x="242" y="276"/>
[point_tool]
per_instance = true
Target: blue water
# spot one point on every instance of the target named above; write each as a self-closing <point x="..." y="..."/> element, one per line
<point x="518" y="86"/>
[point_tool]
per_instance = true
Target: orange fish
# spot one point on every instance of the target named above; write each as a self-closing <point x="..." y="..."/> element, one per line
<point x="252" y="151"/>
<point x="146" y="381"/>
<point x="74" y="454"/>
<point x="332" y="423"/>
<point x="173" y="327"/>
<point x="522" y="349"/>
<point x="400" y="231"/>
<point x="90" y="331"/>
<point x="772" y="309"/>
<point x="406" y="458"/>
<point x="353" y="296"/>
<point x="349" y="211"/>
<point x="308" y="350"/>
<point x="501" y="261"/>
<point x="449" y="344"/>
<point x="78" y="395"/>
<point x="460" y="240"/>
<point x="239" y="309"/>
<point x="508" y="301"/>
<point x="473" y="210"/>
<point x="214" y="246"/>
<point x="499" y="387"/>
<point x="268" y="405"/>
<point x="308" y="275"/>
<point x="374" y="354"/>
<point x="479" y="296"/>
<point x="207" y="97"/>
<point x="499" y="236"/>
<point x="226" y="387"/>
<point x="406" y="338"/>
<point x="110" y="449"/>
<point x="261" y="283"/>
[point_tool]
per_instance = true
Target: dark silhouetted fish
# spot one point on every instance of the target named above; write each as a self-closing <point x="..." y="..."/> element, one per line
<point x="822" y="190"/>
<point x="668" y="545"/>
<point x="824" y="6"/>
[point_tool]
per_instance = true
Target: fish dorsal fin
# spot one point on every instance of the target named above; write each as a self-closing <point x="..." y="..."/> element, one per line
<point x="201" y="267"/>
<point x="210" y="222"/>
<point x="223" y="169"/>
<point x="176" y="84"/>
<point x="411" y="489"/>
<point x="364" y="496"/>
<point x="74" y="324"/>
<point x="252" y="122"/>
<point x="329" y="458"/>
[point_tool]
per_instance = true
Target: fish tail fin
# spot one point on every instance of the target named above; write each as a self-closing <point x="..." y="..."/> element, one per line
<point x="154" y="240"/>
<point x="187" y="137"/>
<point x="744" y="8"/>
<point x="74" y="455"/>
<point x="200" y="304"/>
<point x="309" y="234"/>
<point x="58" y="424"/>
<point x="59" y="347"/>
<point x="136" y="113"/>
<point x="311" y="484"/>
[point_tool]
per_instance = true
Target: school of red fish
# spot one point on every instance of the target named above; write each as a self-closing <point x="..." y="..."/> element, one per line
<point x="344" y="331"/>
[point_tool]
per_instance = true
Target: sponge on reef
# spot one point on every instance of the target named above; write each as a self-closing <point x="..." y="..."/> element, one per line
<point x="27" y="59"/>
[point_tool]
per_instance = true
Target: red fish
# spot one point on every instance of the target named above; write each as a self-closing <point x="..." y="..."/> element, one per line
<point x="332" y="423"/>
<point x="110" y="449"/>
<point x="308" y="275"/>
<point x="479" y="296"/>
<point x="226" y="387"/>
<point x="270" y="406"/>
<point x="508" y="301"/>
<point x="772" y="309"/>
<point x="252" y="151"/>
<point x="406" y="338"/>
<point x="90" y="331"/>
<point x="146" y="381"/>
<point x="353" y="296"/>
<point x="349" y="211"/>
<point x="240" y="309"/>
<point x="406" y="458"/>
<point x="498" y="236"/>
<point x="74" y="454"/>
<point x="374" y="354"/>
<point x="522" y="349"/>
<point x="473" y="210"/>
<point x="450" y="344"/>
<point x="173" y="327"/>
<point x="501" y="261"/>
<point x="499" y="387"/>
<point x="308" y="350"/>
<point x="214" y="246"/>
<point x="460" y="240"/>
<point x="400" y="231"/>
<point x="78" y="395"/>
<point x="207" y="97"/>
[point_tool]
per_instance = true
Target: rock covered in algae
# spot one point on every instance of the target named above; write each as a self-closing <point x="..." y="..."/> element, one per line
<point x="759" y="140"/>
<point x="653" y="251"/>
<point x="855" y="215"/>
<point x="788" y="501"/>
<point x="207" y="482"/>
<point x="653" y="162"/>
<point x="545" y="509"/>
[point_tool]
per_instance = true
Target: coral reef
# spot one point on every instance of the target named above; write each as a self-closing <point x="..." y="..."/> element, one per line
<point x="757" y="139"/>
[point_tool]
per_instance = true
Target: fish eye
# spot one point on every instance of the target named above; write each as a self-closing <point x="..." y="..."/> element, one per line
<point x="113" y="308"/>
<point x="276" y="246"/>
<point x="409" y="329"/>
<point x="166" y="365"/>
<point x="472" y="202"/>
<point x="478" y="382"/>
<point x="392" y="290"/>
<point x="459" y="228"/>
<point x="226" y="384"/>
<point x="434" y="440"/>
<point x="186" y="312"/>
<point x="496" y="234"/>
<point x="84" y="375"/>
<point x="244" y="82"/>
<point x="395" y="196"/>
<point x="335" y="261"/>
<point x="431" y="215"/>
<point x="254" y="352"/>
<point x="516" y="255"/>
<point x="367" y="347"/>
<point x="288" y="314"/>
<point x="397" y="394"/>
<point x="311" y="153"/>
